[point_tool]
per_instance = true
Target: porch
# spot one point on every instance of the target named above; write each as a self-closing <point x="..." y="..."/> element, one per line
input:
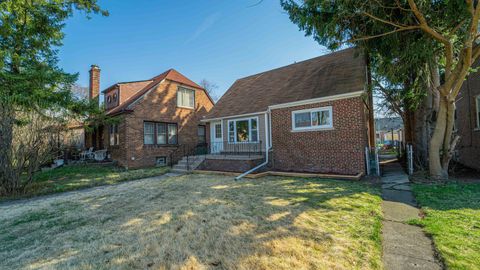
<point x="222" y="156"/>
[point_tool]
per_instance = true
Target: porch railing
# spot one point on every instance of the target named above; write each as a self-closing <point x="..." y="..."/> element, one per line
<point x="216" y="148"/>
<point x="239" y="148"/>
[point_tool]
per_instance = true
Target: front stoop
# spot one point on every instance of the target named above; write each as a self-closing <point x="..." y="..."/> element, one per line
<point x="404" y="246"/>
<point x="187" y="164"/>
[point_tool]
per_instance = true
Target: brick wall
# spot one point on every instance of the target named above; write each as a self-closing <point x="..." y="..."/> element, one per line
<point x="159" y="105"/>
<point x="339" y="150"/>
<point x="228" y="165"/>
<point x="94" y="82"/>
<point x="469" y="144"/>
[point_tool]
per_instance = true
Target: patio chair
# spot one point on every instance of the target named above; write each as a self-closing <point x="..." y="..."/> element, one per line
<point x="100" y="155"/>
<point x="88" y="154"/>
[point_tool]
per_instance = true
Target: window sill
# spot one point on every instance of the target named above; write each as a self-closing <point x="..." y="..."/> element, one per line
<point x="159" y="145"/>
<point x="243" y="142"/>
<point x="311" y="129"/>
<point x="185" y="107"/>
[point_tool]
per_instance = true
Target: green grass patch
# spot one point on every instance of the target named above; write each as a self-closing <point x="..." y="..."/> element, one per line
<point x="452" y="218"/>
<point x="83" y="176"/>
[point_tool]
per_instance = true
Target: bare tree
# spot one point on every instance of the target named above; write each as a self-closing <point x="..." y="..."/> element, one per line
<point x="210" y="87"/>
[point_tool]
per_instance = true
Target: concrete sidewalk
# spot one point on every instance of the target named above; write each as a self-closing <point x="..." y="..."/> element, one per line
<point x="404" y="246"/>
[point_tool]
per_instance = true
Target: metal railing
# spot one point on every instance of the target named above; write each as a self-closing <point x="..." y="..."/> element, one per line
<point x="216" y="148"/>
<point x="240" y="148"/>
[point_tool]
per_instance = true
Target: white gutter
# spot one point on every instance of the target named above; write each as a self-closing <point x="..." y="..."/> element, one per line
<point x="267" y="148"/>
<point x="232" y="116"/>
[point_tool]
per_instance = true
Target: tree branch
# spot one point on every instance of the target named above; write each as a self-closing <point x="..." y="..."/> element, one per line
<point x="384" y="21"/>
<point x="427" y="29"/>
<point x="383" y="34"/>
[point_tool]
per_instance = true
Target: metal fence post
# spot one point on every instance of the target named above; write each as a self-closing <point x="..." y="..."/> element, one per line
<point x="377" y="163"/>
<point x="367" y="159"/>
<point x="410" y="158"/>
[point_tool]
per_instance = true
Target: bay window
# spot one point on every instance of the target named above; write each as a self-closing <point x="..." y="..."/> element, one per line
<point x="243" y="130"/>
<point x="317" y="118"/>
<point x="156" y="133"/>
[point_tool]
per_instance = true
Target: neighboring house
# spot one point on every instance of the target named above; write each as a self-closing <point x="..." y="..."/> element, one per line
<point x="389" y="129"/>
<point x="311" y="116"/>
<point x="158" y="118"/>
<point x="467" y="123"/>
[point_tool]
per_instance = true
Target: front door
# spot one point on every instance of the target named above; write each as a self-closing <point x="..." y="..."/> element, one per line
<point x="216" y="141"/>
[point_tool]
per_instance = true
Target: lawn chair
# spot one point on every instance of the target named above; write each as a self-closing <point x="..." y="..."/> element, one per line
<point x="100" y="155"/>
<point x="88" y="154"/>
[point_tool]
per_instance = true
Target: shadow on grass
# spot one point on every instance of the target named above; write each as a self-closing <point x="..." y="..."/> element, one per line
<point x="206" y="221"/>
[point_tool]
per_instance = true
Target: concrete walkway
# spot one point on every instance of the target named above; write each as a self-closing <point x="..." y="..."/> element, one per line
<point x="404" y="246"/>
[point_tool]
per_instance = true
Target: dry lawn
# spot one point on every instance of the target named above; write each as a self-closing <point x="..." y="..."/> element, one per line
<point x="198" y="222"/>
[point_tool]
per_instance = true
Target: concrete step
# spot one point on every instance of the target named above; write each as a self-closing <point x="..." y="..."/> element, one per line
<point x="184" y="165"/>
<point x="179" y="171"/>
<point x="180" y="166"/>
<point x="184" y="162"/>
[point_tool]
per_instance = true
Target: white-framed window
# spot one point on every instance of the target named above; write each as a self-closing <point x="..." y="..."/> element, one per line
<point x="243" y="130"/>
<point x="159" y="133"/>
<point x="185" y="98"/>
<point x="218" y="131"/>
<point x="477" y="111"/>
<point x="113" y="135"/>
<point x="311" y="119"/>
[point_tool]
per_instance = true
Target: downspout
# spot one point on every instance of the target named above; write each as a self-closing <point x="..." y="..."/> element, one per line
<point x="267" y="143"/>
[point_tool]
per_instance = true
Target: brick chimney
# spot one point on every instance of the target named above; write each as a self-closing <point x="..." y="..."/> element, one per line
<point x="94" y="85"/>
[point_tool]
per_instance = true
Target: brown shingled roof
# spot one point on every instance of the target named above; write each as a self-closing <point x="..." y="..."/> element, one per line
<point x="170" y="74"/>
<point x="332" y="74"/>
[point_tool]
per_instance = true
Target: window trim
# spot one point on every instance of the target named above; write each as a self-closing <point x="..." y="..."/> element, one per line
<point x="155" y="133"/>
<point x="311" y="127"/>
<point x="249" y="130"/>
<point x="161" y="165"/>
<point x="215" y="130"/>
<point x="178" y="100"/>
<point x="113" y="130"/>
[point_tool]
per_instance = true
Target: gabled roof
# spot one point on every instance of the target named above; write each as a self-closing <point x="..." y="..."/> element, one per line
<point x="131" y="84"/>
<point x="333" y="74"/>
<point x="170" y="74"/>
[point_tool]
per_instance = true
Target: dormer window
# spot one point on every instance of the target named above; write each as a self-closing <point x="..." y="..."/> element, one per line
<point x="115" y="96"/>
<point x="185" y="98"/>
<point x="109" y="99"/>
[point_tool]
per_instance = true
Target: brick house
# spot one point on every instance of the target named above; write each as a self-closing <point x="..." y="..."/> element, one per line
<point x="467" y="122"/>
<point x="311" y="116"/>
<point x="157" y="118"/>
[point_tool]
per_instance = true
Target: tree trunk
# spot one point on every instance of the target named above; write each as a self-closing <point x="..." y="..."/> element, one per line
<point x="441" y="141"/>
<point x="8" y="177"/>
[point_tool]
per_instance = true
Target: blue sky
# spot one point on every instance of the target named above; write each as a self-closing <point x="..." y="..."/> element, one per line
<point x="218" y="40"/>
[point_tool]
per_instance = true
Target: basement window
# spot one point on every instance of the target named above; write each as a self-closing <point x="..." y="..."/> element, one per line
<point x="161" y="161"/>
